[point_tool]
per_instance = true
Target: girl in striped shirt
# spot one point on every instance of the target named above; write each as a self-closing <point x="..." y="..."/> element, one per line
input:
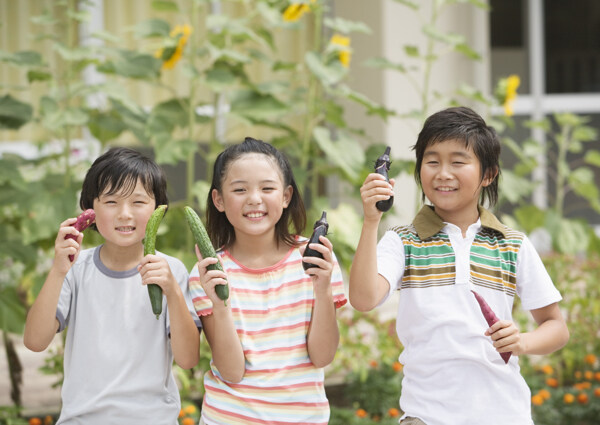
<point x="277" y="331"/>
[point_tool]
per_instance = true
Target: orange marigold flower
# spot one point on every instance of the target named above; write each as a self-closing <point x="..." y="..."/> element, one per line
<point x="569" y="398"/>
<point x="48" y="420"/>
<point x="188" y="421"/>
<point x="537" y="400"/>
<point x="597" y="391"/>
<point x="552" y="382"/>
<point x="582" y="398"/>
<point x="590" y="359"/>
<point x="588" y="374"/>
<point x="547" y="369"/>
<point x="583" y="385"/>
<point x="398" y="367"/>
<point x="35" y="421"/>
<point x="373" y="363"/>
<point x="544" y="393"/>
<point x="181" y="414"/>
<point x="597" y="376"/>
<point x="361" y="413"/>
<point x="393" y="412"/>
<point x="190" y="409"/>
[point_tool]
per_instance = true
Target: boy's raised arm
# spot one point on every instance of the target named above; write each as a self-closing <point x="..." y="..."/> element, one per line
<point x="367" y="286"/>
<point x="41" y="323"/>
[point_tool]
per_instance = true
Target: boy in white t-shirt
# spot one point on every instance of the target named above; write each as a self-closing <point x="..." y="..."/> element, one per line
<point x="118" y="356"/>
<point x="453" y="371"/>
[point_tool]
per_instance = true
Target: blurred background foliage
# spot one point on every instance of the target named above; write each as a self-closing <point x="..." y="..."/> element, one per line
<point x="300" y="105"/>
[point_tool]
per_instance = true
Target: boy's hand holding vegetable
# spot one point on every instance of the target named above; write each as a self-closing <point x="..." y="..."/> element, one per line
<point x="374" y="189"/>
<point x="506" y="337"/>
<point x="156" y="270"/>
<point x="67" y="243"/>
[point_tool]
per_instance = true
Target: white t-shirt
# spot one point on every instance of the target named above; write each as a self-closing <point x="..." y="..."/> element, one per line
<point x="118" y="359"/>
<point x="452" y="373"/>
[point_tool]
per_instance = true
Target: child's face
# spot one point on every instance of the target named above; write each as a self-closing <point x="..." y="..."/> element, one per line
<point x="253" y="196"/>
<point x="121" y="219"/>
<point x="451" y="179"/>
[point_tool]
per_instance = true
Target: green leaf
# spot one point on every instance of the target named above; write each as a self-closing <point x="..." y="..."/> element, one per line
<point x="513" y="187"/>
<point x="27" y="58"/>
<point x="328" y="75"/>
<point x="345" y="152"/>
<point x="14" y="113"/>
<point x="171" y="151"/>
<point x="346" y="27"/>
<point x="220" y="78"/>
<point x="254" y="105"/>
<point x="570" y="236"/>
<point x="12" y="311"/>
<point x="164" y="6"/>
<point x="33" y="76"/>
<point x="593" y="158"/>
<point x="105" y="126"/>
<point x="411" y="51"/>
<point x="372" y="107"/>
<point x="529" y="217"/>
<point x="383" y="63"/>
<point x="74" y="54"/>
<point x="152" y="28"/>
<point x="132" y="64"/>
<point x="412" y="4"/>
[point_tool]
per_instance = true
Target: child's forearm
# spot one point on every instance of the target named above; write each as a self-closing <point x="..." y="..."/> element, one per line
<point x="365" y="290"/>
<point x="227" y="353"/>
<point x="185" y="338"/>
<point x="551" y="334"/>
<point x="323" y="334"/>
<point x="41" y="323"/>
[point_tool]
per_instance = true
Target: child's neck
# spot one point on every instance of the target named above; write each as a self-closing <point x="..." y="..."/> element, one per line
<point x="462" y="219"/>
<point x="118" y="258"/>
<point x="258" y="253"/>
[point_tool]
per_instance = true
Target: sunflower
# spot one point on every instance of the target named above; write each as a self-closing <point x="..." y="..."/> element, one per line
<point x="171" y="55"/>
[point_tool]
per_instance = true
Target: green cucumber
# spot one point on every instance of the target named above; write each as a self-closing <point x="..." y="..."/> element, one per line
<point x="154" y="291"/>
<point x="205" y="247"/>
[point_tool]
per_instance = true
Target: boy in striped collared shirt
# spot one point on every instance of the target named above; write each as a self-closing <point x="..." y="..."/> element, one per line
<point x="453" y="373"/>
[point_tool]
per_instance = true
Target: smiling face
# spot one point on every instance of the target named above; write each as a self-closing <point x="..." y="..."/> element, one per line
<point x="121" y="217"/>
<point x="253" y="195"/>
<point x="451" y="179"/>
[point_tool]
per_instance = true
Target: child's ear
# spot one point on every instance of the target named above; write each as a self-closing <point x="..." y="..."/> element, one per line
<point x="287" y="196"/>
<point x="217" y="200"/>
<point x="490" y="175"/>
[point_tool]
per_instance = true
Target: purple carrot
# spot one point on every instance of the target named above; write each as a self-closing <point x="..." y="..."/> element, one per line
<point x="83" y="221"/>
<point x="490" y="318"/>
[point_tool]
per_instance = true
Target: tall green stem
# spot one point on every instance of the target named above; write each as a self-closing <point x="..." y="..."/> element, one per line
<point x="191" y="159"/>
<point x="563" y="146"/>
<point x="68" y="75"/>
<point x="311" y="112"/>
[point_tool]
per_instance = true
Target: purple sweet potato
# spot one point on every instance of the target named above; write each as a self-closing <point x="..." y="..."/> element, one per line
<point x="490" y="318"/>
<point x="83" y="221"/>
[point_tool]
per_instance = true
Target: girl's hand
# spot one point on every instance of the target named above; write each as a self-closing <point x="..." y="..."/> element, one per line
<point x="155" y="269"/>
<point x="321" y="275"/>
<point x="65" y="247"/>
<point x="506" y="337"/>
<point x="374" y="189"/>
<point x="210" y="278"/>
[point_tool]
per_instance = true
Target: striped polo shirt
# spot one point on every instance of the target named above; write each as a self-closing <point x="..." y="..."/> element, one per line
<point x="272" y="309"/>
<point x="452" y="372"/>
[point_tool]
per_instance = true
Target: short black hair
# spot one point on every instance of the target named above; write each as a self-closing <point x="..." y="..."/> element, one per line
<point x="218" y="227"/>
<point x="119" y="169"/>
<point x="462" y="123"/>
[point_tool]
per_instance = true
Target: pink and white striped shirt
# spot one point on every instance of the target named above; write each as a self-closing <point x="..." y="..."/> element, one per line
<point x="271" y="309"/>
